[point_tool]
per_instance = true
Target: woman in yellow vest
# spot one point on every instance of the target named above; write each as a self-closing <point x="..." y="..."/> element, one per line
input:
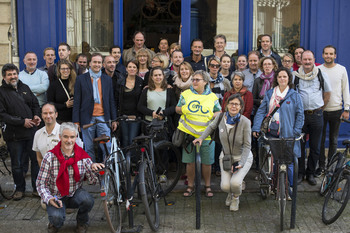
<point x="197" y="107"/>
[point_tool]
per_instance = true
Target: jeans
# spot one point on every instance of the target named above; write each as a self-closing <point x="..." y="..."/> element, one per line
<point x="19" y="150"/>
<point x="81" y="200"/>
<point x="129" y="131"/>
<point x="313" y="126"/>
<point x="333" y="118"/>
<point x="95" y="131"/>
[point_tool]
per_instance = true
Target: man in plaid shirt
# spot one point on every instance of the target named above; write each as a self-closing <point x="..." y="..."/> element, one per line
<point x="61" y="177"/>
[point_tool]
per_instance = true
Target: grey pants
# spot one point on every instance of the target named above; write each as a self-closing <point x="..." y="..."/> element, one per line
<point x="232" y="182"/>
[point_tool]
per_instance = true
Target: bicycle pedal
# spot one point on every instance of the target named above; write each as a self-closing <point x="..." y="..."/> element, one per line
<point x="170" y="203"/>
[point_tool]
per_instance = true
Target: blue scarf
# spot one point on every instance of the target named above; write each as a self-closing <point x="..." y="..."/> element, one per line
<point x="218" y="79"/>
<point x="231" y="120"/>
<point x="206" y="91"/>
<point x="95" y="77"/>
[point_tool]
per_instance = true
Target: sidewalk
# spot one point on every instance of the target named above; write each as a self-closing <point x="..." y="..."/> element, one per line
<point x="255" y="214"/>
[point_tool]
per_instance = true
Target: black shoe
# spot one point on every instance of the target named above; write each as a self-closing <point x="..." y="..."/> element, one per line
<point x="311" y="180"/>
<point x="319" y="171"/>
<point x="300" y="178"/>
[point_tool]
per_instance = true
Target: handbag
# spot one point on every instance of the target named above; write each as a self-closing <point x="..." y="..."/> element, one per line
<point x="178" y="138"/>
<point x="264" y="128"/>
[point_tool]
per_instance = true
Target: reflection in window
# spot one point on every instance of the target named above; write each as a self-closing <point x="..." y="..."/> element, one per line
<point x="280" y="19"/>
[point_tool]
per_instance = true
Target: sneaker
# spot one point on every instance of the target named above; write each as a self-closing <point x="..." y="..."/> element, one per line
<point x="81" y="228"/>
<point x="43" y="205"/>
<point x="162" y="179"/>
<point x="228" y="199"/>
<point x="234" y="204"/>
<point x="18" y="195"/>
<point x="319" y="171"/>
<point x="51" y="228"/>
<point x="243" y="185"/>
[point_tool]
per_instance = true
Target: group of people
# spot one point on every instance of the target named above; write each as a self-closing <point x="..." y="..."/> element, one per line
<point x="197" y="95"/>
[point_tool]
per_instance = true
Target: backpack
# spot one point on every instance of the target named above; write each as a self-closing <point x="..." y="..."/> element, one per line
<point x="320" y="79"/>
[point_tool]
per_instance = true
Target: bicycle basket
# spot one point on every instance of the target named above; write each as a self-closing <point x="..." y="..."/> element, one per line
<point x="282" y="149"/>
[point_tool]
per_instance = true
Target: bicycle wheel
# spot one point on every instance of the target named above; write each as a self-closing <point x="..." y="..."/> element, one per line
<point x="197" y="185"/>
<point x="282" y="197"/>
<point x="7" y="185"/>
<point x="168" y="165"/>
<point x="149" y="194"/>
<point x="112" y="203"/>
<point x="336" y="200"/>
<point x="265" y="169"/>
<point x="334" y="163"/>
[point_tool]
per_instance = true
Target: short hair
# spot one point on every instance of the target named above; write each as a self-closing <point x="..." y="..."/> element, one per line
<point x="204" y="74"/>
<point x="222" y="36"/>
<point x="144" y="51"/>
<point x="104" y="59"/>
<point x="214" y="58"/>
<point x="8" y="67"/>
<point x="254" y="52"/>
<point x="72" y="76"/>
<point x="288" y="55"/>
<point x="239" y="74"/>
<point x="96" y="55"/>
<point x="163" y="59"/>
<point x="330" y="46"/>
<point x="151" y="85"/>
<point x="196" y="40"/>
<point x="29" y="53"/>
<point x="64" y="44"/>
<point x="81" y="55"/>
<point x="309" y="52"/>
<point x="299" y="47"/>
<point x="232" y="97"/>
<point x="70" y="126"/>
<point x="263" y="35"/>
<point x="48" y="48"/>
<point x="290" y="77"/>
<point x="137" y="32"/>
<point x="135" y="62"/>
<point x="274" y="63"/>
<point x="51" y="104"/>
<point x="176" y="51"/>
<point x="114" y="47"/>
<point x="188" y="65"/>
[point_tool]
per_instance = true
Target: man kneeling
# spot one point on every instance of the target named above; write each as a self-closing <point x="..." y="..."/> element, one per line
<point x="60" y="180"/>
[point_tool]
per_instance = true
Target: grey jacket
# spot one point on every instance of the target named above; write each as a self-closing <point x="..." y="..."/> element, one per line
<point x="242" y="145"/>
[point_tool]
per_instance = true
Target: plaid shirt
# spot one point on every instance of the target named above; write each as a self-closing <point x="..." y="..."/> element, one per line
<point x="46" y="181"/>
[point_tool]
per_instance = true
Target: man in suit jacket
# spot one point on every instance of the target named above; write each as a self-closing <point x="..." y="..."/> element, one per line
<point x="94" y="101"/>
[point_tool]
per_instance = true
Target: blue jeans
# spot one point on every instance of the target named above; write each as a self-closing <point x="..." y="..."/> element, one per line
<point x="129" y="131"/>
<point x="313" y="125"/>
<point x="93" y="132"/>
<point x="333" y="118"/>
<point x="19" y="150"/>
<point x="81" y="200"/>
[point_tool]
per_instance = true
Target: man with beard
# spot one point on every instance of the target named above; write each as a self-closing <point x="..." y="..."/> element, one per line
<point x="252" y="72"/>
<point x="333" y="112"/>
<point x="19" y="110"/>
<point x="61" y="177"/>
<point x="315" y="90"/>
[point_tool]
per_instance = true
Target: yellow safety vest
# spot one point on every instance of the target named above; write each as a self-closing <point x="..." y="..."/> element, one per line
<point x="197" y="113"/>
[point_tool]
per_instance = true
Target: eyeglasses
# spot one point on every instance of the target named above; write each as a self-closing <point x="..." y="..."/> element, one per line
<point x="196" y="79"/>
<point x="64" y="69"/>
<point x="214" y="66"/>
<point x="287" y="61"/>
<point x="234" y="104"/>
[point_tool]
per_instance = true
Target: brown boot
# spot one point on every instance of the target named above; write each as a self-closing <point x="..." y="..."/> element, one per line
<point x="51" y="228"/>
<point x="81" y="228"/>
<point x="18" y="195"/>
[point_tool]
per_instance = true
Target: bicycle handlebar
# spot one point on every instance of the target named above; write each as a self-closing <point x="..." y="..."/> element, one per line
<point x="124" y="117"/>
<point x="345" y="120"/>
<point x="286" y="139"/>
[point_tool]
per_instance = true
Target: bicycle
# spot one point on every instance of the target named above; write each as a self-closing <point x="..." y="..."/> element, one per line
<point x="197" y="184"/>
<point x="7" y="185"/>
<point x="336" y="185"/>
<point x="114" y="179"/>
<point x="281" y="155"/>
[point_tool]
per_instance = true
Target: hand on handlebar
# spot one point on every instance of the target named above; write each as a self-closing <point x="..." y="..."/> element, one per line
<point x="255" y="134"/>
<point x="198" y="140"/>
<point x="97" y="166"/>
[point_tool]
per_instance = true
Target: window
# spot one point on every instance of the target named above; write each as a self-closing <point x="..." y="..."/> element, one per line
<point x="280" y="19"/>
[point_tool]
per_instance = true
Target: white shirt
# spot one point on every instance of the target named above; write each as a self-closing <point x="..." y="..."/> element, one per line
<point x="338" y="78"/>
<point x="43" y="142"/>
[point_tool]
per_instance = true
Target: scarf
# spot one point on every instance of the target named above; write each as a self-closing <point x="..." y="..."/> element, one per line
<point x="267" y="82"/>
<point x="62" y="180"/>
<point x="206" y="91"/>
<point x="231" y="120"/>
<point x="181" y="84"/>
<point x="307" y="77"/>
<point x="95" y="77"/>
<point x="276" y="98"/>
<point x="218" y="88"/>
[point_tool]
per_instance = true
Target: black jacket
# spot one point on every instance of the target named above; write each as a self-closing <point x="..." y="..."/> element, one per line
<point x="15" y="106"/>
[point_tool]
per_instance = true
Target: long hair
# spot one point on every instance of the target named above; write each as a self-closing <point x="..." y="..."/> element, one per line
<point x="151" y="85"/>
<point x="72" y="76"/>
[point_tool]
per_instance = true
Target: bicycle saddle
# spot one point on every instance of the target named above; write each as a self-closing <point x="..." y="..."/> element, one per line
<point x="103" y="138"/>
<point x="346" y="142"/>
<point x="141" y="138"/>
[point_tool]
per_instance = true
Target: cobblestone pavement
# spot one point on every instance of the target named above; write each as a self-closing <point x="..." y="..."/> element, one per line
<point x="254" y="215"/>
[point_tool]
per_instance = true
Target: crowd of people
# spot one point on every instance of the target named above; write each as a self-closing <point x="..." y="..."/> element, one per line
<point x="198" y="95"/>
